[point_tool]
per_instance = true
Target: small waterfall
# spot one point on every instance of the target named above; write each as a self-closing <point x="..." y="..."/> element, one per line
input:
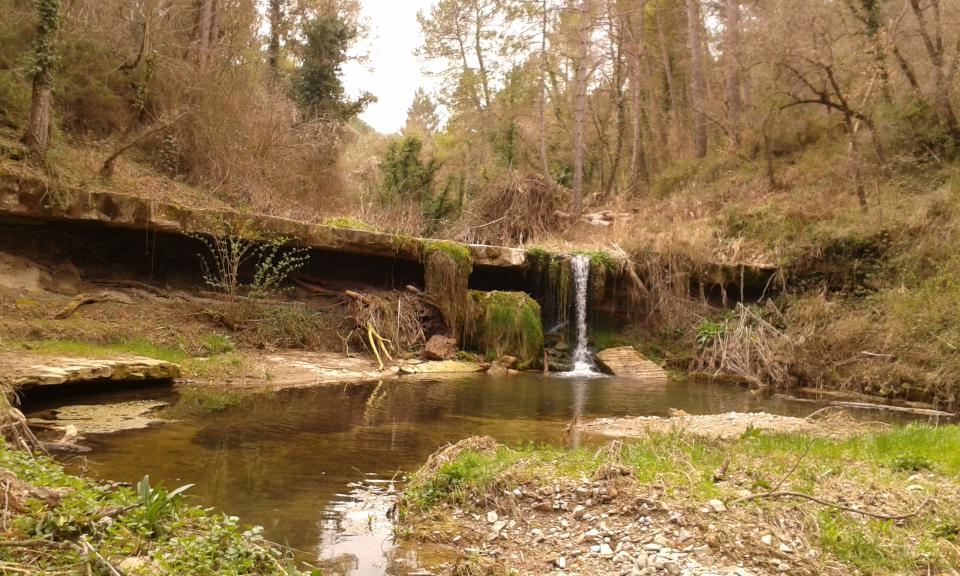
<point x="580" y="265"/>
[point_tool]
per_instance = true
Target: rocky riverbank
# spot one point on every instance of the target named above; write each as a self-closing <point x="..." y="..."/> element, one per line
<point x="761" y="503"/>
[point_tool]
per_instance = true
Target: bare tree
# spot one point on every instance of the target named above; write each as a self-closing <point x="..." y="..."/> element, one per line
<point x="698" y="82"/>
<point x="731" y="53"/>
<point x="542" y="103"/>
<point x="637" y="51"/>
<point x="37" y="137"/>
<point x="581" y="79"/>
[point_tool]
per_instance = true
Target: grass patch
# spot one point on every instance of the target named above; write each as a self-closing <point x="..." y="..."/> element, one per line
<point x="154" y="524"/>
<point x="851" y="470"/>
<point x="78" y="348"/>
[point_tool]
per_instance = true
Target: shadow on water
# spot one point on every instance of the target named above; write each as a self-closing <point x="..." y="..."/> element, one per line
<point x="313" y="465"/>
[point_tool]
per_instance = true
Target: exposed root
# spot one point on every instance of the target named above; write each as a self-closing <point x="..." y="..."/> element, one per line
<point x="387" y="323"/>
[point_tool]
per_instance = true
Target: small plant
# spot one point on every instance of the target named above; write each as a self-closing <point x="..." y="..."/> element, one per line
<point x="216" y="344"/>
<point x="910" y="463"/>
<point x="156" y="504"/>
<point x="709" y="332"/>
<point x="273" y="262"/>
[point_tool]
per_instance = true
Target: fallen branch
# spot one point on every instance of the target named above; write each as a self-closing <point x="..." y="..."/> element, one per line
<point x="106" y="171"/>
<point x="837" y="505"/>
<point x="78" y="301"/>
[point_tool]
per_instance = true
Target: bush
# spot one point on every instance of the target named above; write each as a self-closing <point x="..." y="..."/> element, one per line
<point x="14" y="100"/>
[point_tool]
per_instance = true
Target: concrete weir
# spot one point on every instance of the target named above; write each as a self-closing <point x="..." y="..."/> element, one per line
<point x="24" y="199"/>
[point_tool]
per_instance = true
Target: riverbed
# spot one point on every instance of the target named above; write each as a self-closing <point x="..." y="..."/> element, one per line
<point x="317" y="466"/>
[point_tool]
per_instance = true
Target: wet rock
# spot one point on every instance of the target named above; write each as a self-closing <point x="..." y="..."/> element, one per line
<point x="439" y="367"/>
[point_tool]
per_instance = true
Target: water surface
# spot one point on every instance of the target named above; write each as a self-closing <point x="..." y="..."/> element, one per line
<point x="297" y="461"/>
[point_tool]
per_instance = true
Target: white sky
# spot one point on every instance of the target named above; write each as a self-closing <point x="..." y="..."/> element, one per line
<point x="392" y="73"/>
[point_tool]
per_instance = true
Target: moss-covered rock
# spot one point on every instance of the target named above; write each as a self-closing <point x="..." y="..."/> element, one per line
<point x="507" y="323"/>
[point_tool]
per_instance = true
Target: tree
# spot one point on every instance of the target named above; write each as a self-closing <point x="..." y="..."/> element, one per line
<point x="462" y="32"/>
<point x="581" y="79"/>
<point x="422" y="118"/>
<point x="317" y="85"/>
<point x="698" y="82"/>
<point x="276" y="30"/>
<point x="37" y="137"/>
<point x="731" y="53"/>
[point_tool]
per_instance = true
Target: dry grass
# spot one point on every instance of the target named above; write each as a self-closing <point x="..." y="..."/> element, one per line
<point x="518" y="209"/>
<point x="404" y="319"/>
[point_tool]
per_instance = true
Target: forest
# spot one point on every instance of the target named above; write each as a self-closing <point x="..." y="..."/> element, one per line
<point x="646" y="287"/>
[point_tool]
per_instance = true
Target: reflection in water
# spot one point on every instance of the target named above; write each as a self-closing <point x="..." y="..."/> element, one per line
<point x="292" y="460"/>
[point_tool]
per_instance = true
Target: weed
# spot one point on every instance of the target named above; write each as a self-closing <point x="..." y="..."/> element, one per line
<point x="156" y="505"/>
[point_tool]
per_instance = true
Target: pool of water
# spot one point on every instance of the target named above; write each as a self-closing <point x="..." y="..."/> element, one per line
<point x="314" y="465"/>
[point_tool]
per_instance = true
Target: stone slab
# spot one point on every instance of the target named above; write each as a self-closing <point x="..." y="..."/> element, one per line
<point x="625" y="361"/>
<point x="20" y="370"/>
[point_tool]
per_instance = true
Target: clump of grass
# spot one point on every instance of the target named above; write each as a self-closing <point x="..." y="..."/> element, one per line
<point x="508" y="323"/>
<point x="153" y="524"/>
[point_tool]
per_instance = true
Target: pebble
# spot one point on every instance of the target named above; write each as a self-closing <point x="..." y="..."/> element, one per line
<point x="492" y="516"/>
<point x="767" y="539"/>
<point x="605" y="550"/>
<point x="560" y="562"/>
<point x="717" y="506"/>
<point x="579" y="511"/>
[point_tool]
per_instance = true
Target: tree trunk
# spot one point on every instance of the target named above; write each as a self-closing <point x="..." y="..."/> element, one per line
<point x="544" y="160"/>
<point x="638" y="159"/>
<point x="478" y="48"/>
<point x="616" y="48"/>
<point x="37" y="137"/>
<point x="697" y="78"/>
<point x="580" y="105"/>
<point x="203" y="32"/>
<point x="273" y="47"/>
<point x="731" y="52"/>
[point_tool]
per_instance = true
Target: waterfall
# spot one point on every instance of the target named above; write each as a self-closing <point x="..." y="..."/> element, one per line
<point x="580" y="267"/>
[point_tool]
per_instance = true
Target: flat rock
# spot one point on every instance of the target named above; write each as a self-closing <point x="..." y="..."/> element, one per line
<point x="106" y="418"/>
<point x="627" y="362"/>
<point x="439" y="367"/>
<point x="21" y="370"/>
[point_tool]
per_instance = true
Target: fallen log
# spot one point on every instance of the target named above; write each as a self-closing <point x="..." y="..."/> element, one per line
<point x="84" y="299"/>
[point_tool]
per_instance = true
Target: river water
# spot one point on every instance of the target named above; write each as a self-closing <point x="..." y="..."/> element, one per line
<point x="314" y="465"/>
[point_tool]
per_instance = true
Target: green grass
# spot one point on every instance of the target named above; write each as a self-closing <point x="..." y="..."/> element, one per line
<point x="685" y="465"/>
<point x="78" y="348"/>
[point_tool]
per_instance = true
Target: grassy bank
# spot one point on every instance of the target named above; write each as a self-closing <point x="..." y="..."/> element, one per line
<point x="56" y="523"/>
<point x="911" y="471"/>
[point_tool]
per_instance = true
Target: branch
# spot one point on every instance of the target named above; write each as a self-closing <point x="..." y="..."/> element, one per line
<point x="877" y="515"/>
<point x="106" y="171"/>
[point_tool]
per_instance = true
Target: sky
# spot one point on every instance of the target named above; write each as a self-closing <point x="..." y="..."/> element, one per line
<point x="392" y="72"/>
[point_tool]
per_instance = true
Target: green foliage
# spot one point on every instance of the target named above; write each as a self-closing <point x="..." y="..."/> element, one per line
<point x="151" y="523"/>
<point x="708" y="331"/>
<point x="14" y="100"/>
<point x="156" y="505"/>
<point x="273" y="261"/>
<point x="404" y="175"/>
<point x="317" y="85"/>
<point x="203" y="399"/>
<point x="217" y="344"/>
<point x="77" y="348"/>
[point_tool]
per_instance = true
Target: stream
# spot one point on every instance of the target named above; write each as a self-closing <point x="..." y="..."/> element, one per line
<point x="316" y="466"/>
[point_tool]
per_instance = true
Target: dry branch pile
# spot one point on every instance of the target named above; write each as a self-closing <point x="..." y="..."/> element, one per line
<point x="402" y="320"/>
<point x="748" y="346"/>
<point x="518" y="209"/>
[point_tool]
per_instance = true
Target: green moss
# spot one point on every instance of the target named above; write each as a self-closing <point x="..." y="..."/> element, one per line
<point x="457" y="252"/>
<point x="350" y="223"/>
<point x="508" y="323"/>
<point x="77" y="348"/>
